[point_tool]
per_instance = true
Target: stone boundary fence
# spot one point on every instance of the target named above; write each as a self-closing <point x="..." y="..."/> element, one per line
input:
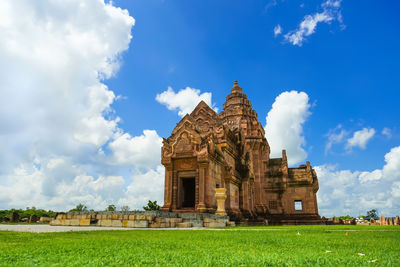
<point x="387" y="221"/>
<point x="381" y="221"/>
<point x="142" y="219"/>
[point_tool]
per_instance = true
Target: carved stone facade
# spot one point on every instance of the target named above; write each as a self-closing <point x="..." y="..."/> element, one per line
<point x="229" y="150"/>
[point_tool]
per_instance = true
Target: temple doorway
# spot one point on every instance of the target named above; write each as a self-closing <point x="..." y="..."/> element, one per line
<point x="189" y="192"/>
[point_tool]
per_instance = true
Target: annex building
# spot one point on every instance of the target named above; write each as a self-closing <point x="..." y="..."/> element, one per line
<point x="207" y="150"/>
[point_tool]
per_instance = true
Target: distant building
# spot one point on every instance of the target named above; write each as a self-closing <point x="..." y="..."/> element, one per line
<point x="207" y="150"/>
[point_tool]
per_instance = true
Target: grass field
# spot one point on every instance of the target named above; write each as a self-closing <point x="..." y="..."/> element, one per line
<point x="239" y="247"/>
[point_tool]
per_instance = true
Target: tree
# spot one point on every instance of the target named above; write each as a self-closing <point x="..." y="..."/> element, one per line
<point x="79" y="207"/>
<point x="111" y="208"/>
<point x="152" y="205"/>
<point x="347" y="217"/>
<point x="372" y="213"/>
<point x="125" y="208"/>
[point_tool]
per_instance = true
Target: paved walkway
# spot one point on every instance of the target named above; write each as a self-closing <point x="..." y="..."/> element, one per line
<point x="45" y="228"/>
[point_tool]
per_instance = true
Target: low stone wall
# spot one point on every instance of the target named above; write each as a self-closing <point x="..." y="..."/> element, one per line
<point x="142" y="219"/>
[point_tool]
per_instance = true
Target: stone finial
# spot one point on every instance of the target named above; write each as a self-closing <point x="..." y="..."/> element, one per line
<point x="308" y="166"/>
<point x="397" y="221"/>
<point x="382" y="220"/>
<point x="284" y="157"/>
<point x="236" y="88"/>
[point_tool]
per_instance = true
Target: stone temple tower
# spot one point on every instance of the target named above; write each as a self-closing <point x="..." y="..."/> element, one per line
<point x="229" y="150"/>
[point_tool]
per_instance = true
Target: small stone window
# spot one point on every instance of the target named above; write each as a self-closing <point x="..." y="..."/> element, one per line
<point x="273" y="205"/>
<point x="298" y="205"/>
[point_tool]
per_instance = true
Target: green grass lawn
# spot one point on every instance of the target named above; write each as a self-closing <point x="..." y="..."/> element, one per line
<point x="207" y="248"/>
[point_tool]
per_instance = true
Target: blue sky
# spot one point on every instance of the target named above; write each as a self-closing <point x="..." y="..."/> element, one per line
<point x="350" y="72"/>
<point x="83" y="83"/>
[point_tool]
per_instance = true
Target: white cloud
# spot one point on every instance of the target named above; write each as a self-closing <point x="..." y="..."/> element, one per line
<point x="55" y="111"/>
<point x="335" y="136"/>
<point x="344" y="192"/>
<point x="370" y="176"/>
<point x="141" y="151"/>
<point x="270" y="4"/>
<point x="185" y="100"/>
<point x="396" y="190"/>
<point x="360" y="138"/>
<point x="145" y="186"/>
<point x="331" y="11"/>
<point x="284" y="125"/>
<point x="387" y="132"/>
<point x="391" y="170"/>
<point x="277" y="30"/>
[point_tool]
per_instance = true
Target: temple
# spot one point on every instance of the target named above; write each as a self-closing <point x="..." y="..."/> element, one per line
<point x="207" y="151"/>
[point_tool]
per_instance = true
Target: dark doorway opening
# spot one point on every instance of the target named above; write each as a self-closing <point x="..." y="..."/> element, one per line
<point x="188" y="192"/>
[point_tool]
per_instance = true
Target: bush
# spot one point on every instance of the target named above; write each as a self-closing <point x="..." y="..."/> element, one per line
<point x="27" y="213"/>
<point x="152" y="205"/>
<point x="111" y="208"/>
<point x="79" y="207"/>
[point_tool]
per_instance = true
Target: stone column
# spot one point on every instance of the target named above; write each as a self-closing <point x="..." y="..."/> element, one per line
<point x="174" y="189"/>
<point x="167" y="189"/>
<point x="315" y="204"/>
<point x="245" y="192"/>
<point x="197" y="189"/>
<point x="202" y="177"/>
<point x="227" y="186"/>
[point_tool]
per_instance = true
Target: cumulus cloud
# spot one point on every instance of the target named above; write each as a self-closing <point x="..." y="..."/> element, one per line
<point x="141" y="151"/>
<point x="360" y="138"/>
<point x="277" y="30"/>
<point x="284" y="125"/>
<point x="185" y="100"/>
<point x="354" y="192"/>
<point x="331" y="12"/>
<point x="55" y="110"/>
<point x="144" y="186"/>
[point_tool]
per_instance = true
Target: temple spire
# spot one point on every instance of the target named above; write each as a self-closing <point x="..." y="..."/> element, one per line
<point x="236" y="88"/>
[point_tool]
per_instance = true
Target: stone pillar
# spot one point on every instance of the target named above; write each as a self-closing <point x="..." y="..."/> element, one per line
<point x="202" y="178"/>
<point x="227" y="186"/>
<point x="220" y="195"/>
<point x="174" y="189"/>
<point x="245" y="194"/>
<point x="397" y="221"/>
<point x="196" y="201"/>
<point x="315" y="204"/>
<point x="167" y="189"/>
